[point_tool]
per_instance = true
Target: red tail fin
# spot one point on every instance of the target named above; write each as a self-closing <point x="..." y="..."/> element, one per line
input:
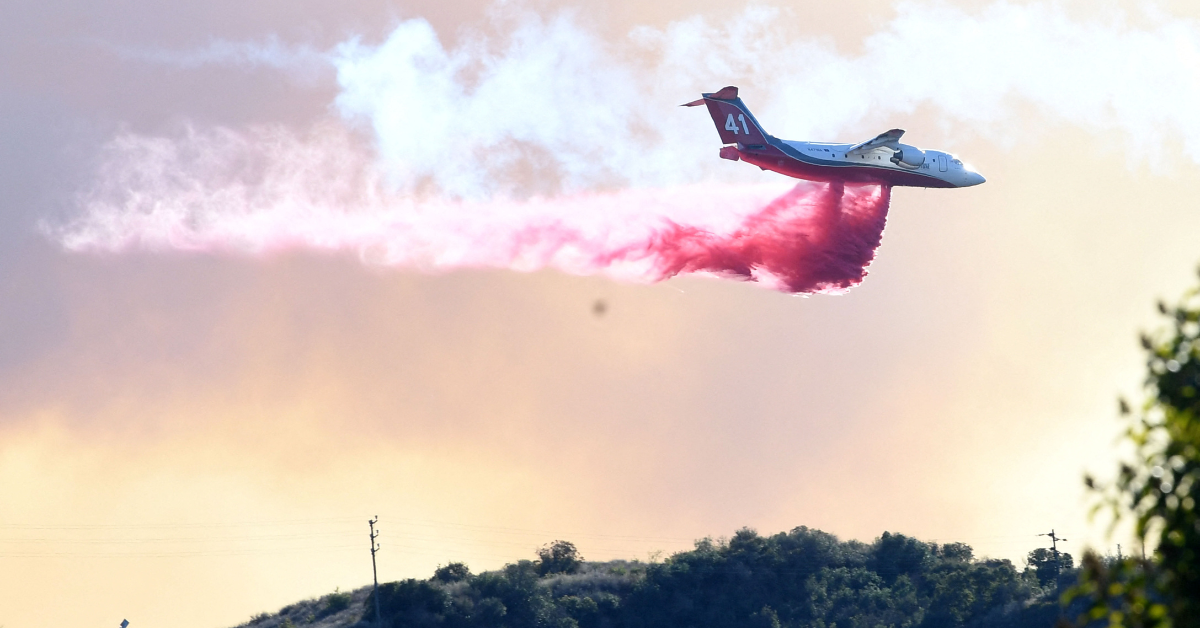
<point x="735" y="123"/>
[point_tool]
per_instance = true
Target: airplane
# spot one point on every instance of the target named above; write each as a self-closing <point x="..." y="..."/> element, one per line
<point x="882" y="160"/>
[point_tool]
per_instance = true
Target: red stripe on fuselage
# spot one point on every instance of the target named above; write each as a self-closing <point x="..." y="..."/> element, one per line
<point x="775" y="160"/>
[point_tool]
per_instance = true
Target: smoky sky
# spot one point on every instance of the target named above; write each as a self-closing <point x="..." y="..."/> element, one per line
<point x="957" y="394"/>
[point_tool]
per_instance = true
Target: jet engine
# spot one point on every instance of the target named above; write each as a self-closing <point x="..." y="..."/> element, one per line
<point x="908" y="157"/>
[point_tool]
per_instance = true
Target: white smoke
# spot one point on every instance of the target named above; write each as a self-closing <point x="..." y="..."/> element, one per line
<point x="553" y="99"/>
<point x="550" y="109"/>
<point x="304" y="63"/>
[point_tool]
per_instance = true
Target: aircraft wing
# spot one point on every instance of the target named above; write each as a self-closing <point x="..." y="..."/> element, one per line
<point x="890" y="139"/>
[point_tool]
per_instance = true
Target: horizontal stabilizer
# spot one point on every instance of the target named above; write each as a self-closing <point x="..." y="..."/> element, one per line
<point x="725" y="93"/>
<point x="891" y="140"/>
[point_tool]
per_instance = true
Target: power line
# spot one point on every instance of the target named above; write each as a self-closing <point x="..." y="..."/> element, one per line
<point x="479" y="540"/>
<point x="210" y="524"/>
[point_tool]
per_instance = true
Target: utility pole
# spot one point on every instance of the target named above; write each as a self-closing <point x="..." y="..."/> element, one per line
<point x="1054" y="539"/>
<point x="374" y="572"/>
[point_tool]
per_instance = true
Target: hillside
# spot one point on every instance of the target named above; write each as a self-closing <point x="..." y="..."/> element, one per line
<point x="799" y="578"/>
<point x="335" y="610"/>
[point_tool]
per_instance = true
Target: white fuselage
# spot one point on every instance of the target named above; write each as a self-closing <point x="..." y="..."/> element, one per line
<point x="935" y="164"/>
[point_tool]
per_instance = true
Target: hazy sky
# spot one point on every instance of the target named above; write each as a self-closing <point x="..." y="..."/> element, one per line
<point x="214" y="370"/>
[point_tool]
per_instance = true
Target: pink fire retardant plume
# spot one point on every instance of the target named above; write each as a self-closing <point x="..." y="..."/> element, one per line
<point x="231" y="193"/>
<point x="805" y="241"/>
<point x="815" y="237"/>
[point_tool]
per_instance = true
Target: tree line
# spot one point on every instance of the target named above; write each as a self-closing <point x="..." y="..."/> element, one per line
<point x="803" y="577"/>
<point x="809" y="578"/>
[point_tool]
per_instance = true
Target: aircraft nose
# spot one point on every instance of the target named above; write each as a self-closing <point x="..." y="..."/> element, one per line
<point x="973" y="178"/>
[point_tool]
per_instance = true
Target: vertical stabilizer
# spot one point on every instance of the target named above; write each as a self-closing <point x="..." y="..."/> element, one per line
<point x="735" y="123"/>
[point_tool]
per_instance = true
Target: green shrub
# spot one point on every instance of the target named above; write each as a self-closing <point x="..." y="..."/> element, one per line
<point x="336" y="602"/>
<point x="409" y="603"/>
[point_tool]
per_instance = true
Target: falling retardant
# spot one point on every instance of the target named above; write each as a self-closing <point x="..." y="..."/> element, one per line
<point x="225" y="193"/>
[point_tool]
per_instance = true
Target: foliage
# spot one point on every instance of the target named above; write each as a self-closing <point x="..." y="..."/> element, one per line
<point x="801" y="578"/>
<point x="410" y="603"/>
<point x="1048" y="567"/>
<point x="1159" y="489"/>
<point x="957" y="551"/>
<point x="1119" y="593"/>
<point x="558" y="557"/>
<point x="336" y="602"/>
<point x="454" y="572"/>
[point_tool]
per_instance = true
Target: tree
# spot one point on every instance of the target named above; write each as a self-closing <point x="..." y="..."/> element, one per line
<point x="1047" y="566"/>
<point x="1159" y="489"/>
<point x="454" y="572"/>
<point x="958" y="551"/>
<point x="410" y="603"/>
<point x="558" y="557"/>
<point x="766" y="618"/>
<point x="896" y="555"/>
